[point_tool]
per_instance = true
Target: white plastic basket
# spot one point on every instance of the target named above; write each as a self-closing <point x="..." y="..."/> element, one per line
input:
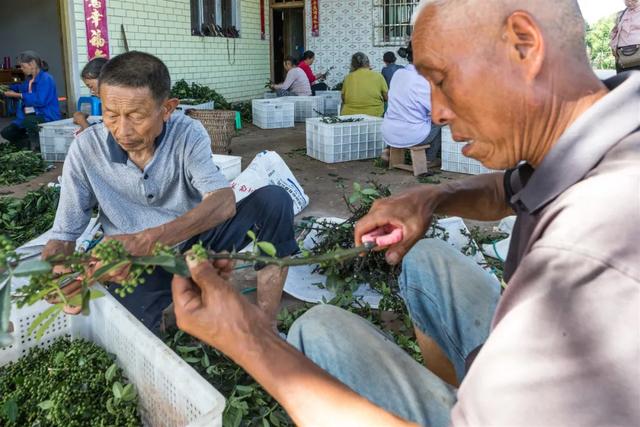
<point x="171" y="393"/>
<point x="270" y="95"/>
<point x="181" y="108"/>
<point x="454" y="161"/>
<point x="272" y="113"/>
<point x="332" y="101"/>
<point x="305" y="106"/>
<point x="343" y="142"/>
<point x="56" y="138"/>
<point x="230" y="166"/>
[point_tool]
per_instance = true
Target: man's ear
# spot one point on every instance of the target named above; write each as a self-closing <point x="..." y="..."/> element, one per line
<point x="168" y="107"/>
<point x="526" y="43"/>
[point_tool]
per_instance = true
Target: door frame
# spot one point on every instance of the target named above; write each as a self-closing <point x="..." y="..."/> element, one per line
<point x="70" y="53"/>
<point x="301" y="4"/>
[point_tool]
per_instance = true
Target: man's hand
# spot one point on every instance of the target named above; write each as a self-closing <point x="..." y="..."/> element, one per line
<point x="208" y="307"/>
<point x="137" y="244"/>
<point x="409" y="213"/>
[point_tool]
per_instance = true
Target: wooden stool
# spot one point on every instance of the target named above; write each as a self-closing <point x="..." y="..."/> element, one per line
<point x="418" y="159"/>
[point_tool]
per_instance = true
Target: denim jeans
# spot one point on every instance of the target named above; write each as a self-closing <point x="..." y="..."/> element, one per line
<point x="449" y="297"/>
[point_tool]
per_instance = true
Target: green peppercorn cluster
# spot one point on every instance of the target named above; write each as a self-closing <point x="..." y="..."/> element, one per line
<point x="71" y="384"/>
<point x="7" y="252"/>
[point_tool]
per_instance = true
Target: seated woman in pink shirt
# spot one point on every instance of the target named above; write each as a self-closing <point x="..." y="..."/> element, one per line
<point x="296" y="83"/>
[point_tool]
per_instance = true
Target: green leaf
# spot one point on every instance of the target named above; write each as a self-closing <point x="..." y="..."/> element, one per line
<point x="265" y="423"/>
<point x="110" y="408"/>
<point x="118" y="390"/>
<point x="59" y="358"/>
<point x="34" y="266"/>
<point x="267" y="248"/>
<point x="46" y="405"/>
<point x="129" y="393"/>
<point x="111" y="372"/>
<point x="244" y="389"/>
<point x="108" y="268"/>
<point x="354" y="198"/>
<point x="370" y="192"/>
<point x="192" y="359"/>
<point x="252" y="235"/>
<point x="181" y="268"/>
<point x="95" y="294"/>
<point x="86" y="298"/>
<point x="159" y="260"/>
<point x="205" y="361"/>
<point x="10" y="409"/>
<point x="357" y="187"/>
<point x="5" y="311"/>
<point x="187" y="349"/>
<point x="42" y="317"/>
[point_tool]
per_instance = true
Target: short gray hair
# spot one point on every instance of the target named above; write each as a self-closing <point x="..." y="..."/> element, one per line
<point x="560" y="18"/>
<point x="359" y="60"/>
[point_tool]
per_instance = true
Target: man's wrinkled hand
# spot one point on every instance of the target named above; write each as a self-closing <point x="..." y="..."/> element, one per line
<point x="407" y="214"/>
<point x="209" y="308"/>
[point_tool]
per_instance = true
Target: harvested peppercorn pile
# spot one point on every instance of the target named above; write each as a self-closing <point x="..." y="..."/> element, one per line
<point x="70" y="383"/>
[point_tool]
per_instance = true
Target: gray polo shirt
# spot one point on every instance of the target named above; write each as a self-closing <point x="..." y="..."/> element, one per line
<point x="98" y="172"/>
<point x="564" y="348"/>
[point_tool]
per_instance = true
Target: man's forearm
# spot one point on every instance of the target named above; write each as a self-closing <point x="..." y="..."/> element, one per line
<point x="480" y="197"/>
<point x="214" y="209"/>
<point x="310" y="395"/>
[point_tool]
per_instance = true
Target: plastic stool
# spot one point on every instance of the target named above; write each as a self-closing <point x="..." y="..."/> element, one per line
<point x="94" y="101"/>
<point x="418" y="159"/>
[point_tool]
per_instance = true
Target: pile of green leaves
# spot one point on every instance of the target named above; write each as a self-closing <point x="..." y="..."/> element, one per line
<point x="248" y="404"/>
<point x="70" y="383"/>
<point x="23" y="219"/>
<point x="19" y="166"/>
<point x="195" y="93"/>
<point x="371" y="268"/>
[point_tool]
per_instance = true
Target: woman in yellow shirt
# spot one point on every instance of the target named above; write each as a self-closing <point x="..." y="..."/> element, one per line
<point x="364" y="91"/>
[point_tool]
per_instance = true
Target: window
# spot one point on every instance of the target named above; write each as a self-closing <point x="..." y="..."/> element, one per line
<point x="392" y="21"/>
<point x="216" y="18"/>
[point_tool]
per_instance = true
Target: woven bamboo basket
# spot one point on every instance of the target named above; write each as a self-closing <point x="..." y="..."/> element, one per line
<point x="221" y="126"/>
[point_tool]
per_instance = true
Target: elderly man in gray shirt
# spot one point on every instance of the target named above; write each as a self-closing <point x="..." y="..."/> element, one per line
<point x="153" y="178"/>
<point x="561" y="345"/>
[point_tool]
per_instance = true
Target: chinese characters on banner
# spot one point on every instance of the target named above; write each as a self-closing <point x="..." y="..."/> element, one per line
<point x="95" y="13"/>
<point x="315" y="18"/>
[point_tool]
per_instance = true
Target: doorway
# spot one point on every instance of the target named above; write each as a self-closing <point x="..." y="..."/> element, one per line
<point x="287" y="23"/>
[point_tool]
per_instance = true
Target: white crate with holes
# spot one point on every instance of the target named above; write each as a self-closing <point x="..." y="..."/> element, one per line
<point x="270" y="95"/>
<point x="454" y="161"/>
<point x="332" y="101"/>
<point x="343" y="142"/>
<point x="56" y="138"/>
<point x="182" y="108"/>
<point x="305" y="106"/>
<point x="171" y="393"/>
<point x="272" y="113"/>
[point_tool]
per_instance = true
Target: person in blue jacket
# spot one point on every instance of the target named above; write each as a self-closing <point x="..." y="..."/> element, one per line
<point x="38" y="102"/>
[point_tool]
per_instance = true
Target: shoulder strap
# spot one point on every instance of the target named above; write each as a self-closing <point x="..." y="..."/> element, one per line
<point x="621" y="15"/>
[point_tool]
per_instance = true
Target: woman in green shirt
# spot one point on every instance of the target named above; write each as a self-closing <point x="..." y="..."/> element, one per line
<point x="364" y="91"/>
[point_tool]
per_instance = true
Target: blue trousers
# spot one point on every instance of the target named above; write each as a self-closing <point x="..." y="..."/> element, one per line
<point x="268" y="212"/>
<point x="450" y="299"/>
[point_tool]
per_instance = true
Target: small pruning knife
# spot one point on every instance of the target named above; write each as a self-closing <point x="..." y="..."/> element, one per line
<point x="383" y="237"/>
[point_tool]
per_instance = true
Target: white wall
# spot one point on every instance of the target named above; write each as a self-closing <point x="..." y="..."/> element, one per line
<point x="346" y="27"/>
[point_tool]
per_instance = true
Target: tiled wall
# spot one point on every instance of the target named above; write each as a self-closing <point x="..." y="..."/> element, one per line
<point x="346" y="27"/>
<point x="237" y="68"/>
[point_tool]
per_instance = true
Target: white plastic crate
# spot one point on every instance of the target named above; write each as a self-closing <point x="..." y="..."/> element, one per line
<point x="332" y="101"/>
<point x="230" y="166"/>
<point x="454" y="161"/>
<point x="305" y="106"/>
<point x="56" y="137"/>
<point x="270" y="95"/>
<point x="171" y="393"/>
<point x="181" y="108"/>
<point x="342" y="142"/>
<point x="272" y="113"/>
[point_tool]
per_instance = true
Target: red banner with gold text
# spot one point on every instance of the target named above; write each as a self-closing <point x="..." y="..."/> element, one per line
<point x="315" y="18"/>
<point x="95" y="13"/>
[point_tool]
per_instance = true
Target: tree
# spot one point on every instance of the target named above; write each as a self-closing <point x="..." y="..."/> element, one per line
<point x="598" y="38"/>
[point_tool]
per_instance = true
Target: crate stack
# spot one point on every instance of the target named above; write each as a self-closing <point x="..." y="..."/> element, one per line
<point x="56" y="138"/>
<point x="305" y="106"/>
<point x="332" y="101"/>
<point x="273" y="113"/>
<point x="343" y="142"/>
<point x="454" y="161"/>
